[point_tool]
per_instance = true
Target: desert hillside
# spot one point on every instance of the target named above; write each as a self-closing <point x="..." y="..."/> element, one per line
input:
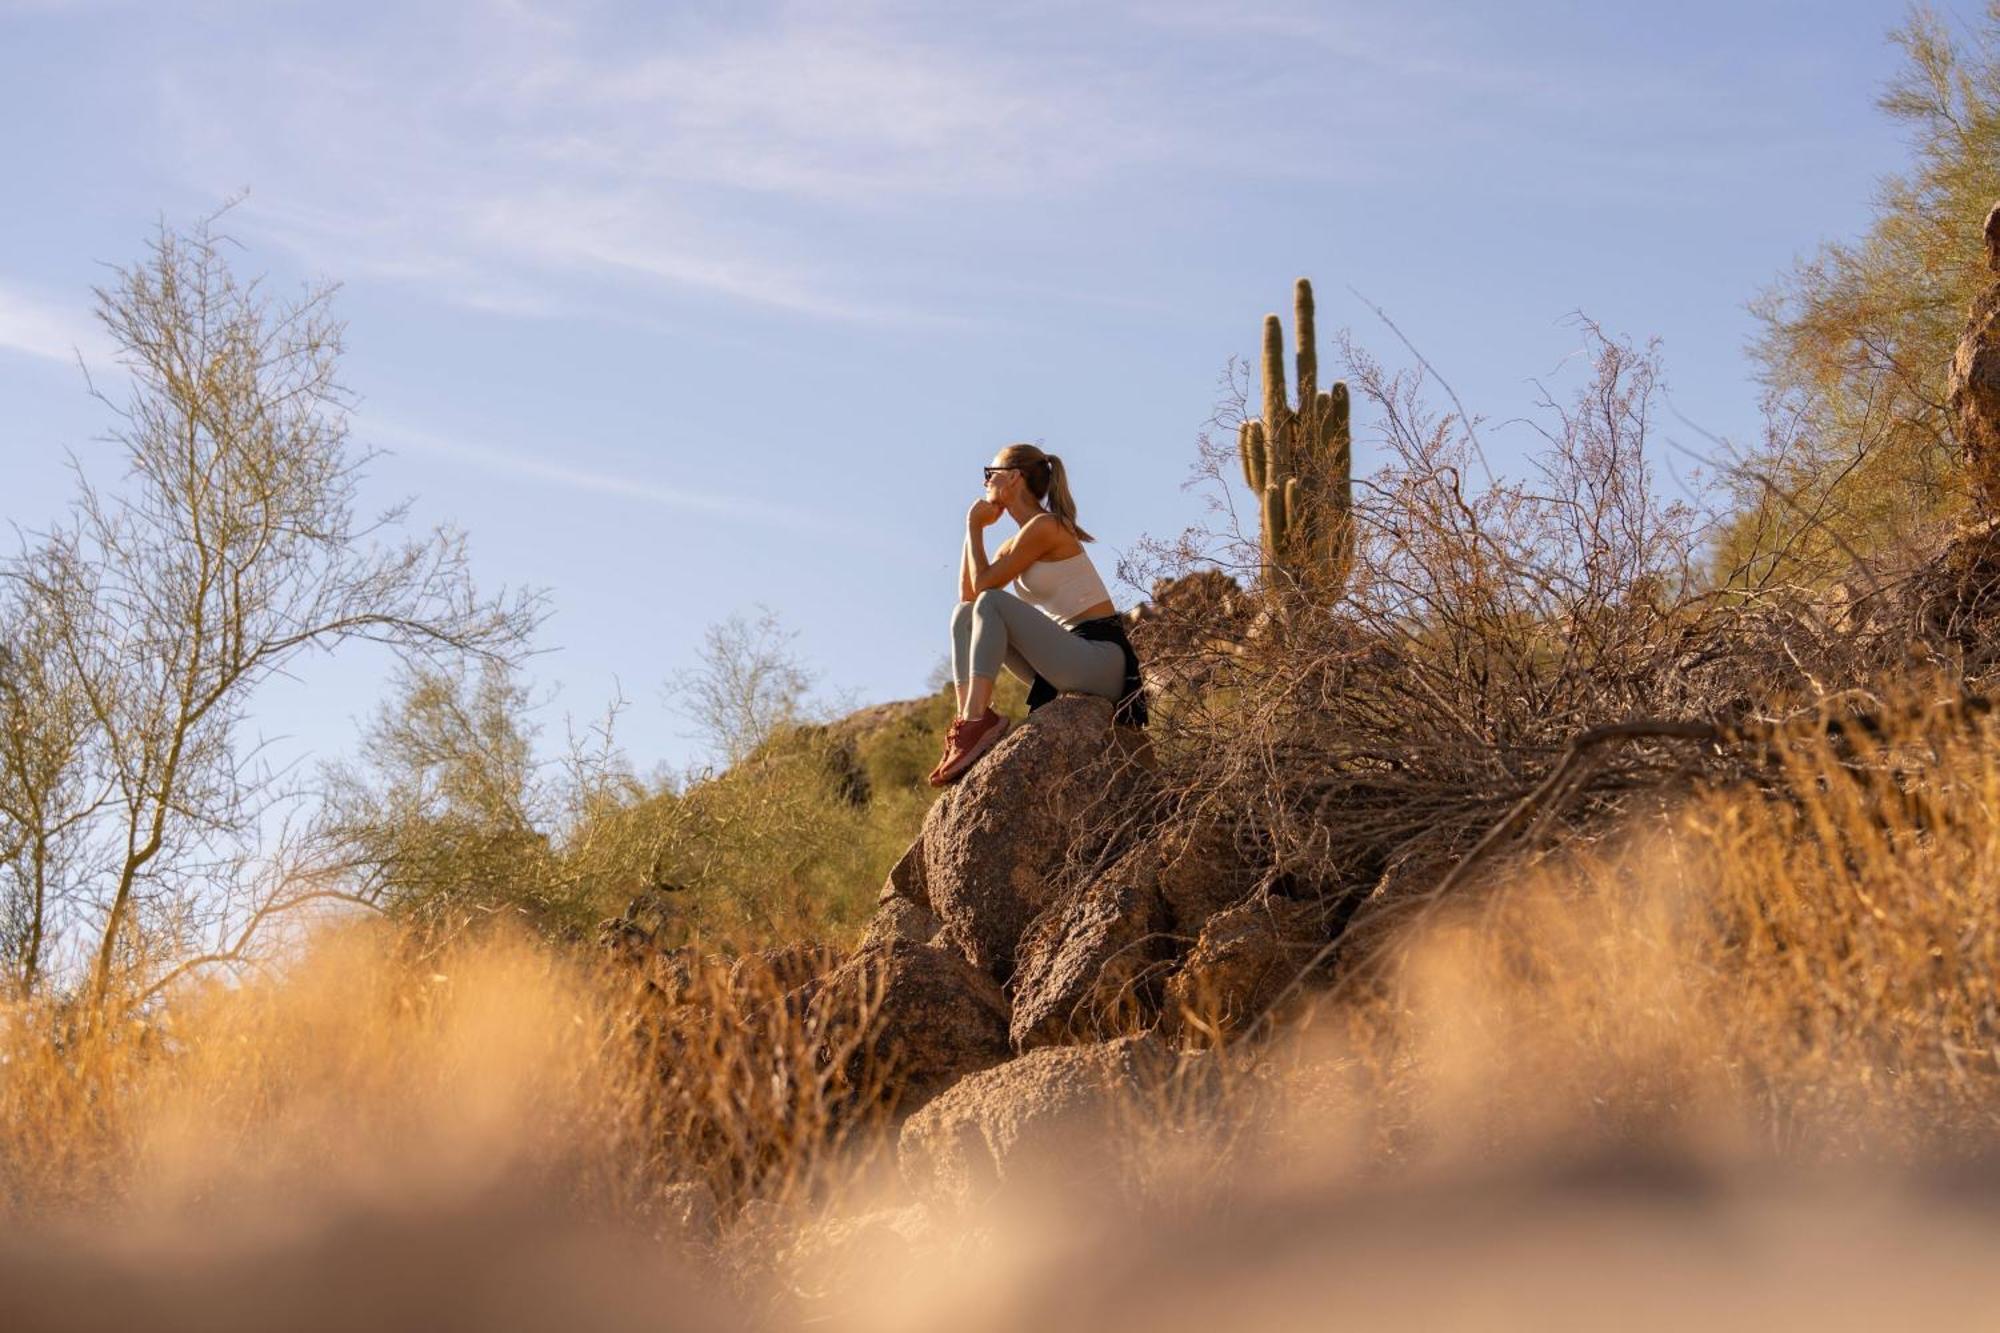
<point x="1439" y="870"/>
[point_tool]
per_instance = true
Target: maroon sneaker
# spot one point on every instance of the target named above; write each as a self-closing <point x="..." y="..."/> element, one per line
<point x="964" y="741"/>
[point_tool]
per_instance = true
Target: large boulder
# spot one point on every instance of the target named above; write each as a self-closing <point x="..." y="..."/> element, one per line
<point x="1245" y="959"/>
<point x="993" y="845"/>
<point x="1027" y="1119"/>
<point x="1083" y="963"/>
<point x="905" y="1020"/>
<point x="900" y="919"/>
<point x="1975" y="377"/>
<point x="906" y="878"/>
<point x="1198" y="870"/>
<point x="1089" y="965"/>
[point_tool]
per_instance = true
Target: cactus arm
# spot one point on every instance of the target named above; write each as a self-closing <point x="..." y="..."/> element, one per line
<point x="1338" y="491"/>
<point x="1307" y="341"/>
<point x="1276" y="409"/>
<point x="1250" y="443"/>
<point x="1274" y="533"/>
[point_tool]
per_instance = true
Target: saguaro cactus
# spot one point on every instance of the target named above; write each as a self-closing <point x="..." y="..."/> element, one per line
<point x="1300" y="464"/>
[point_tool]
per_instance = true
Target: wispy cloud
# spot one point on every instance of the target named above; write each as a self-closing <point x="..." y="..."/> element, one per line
<point x="809" y="160"/>
<point x="396" y="435"/>
<point x="768" y="161"/>
<point x="36" y="326"/>
<point x="1426" y="64"/>
<point x="840" y="112"/>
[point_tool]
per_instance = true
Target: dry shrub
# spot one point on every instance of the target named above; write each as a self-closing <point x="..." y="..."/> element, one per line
<point x="1487" y="620"/>
<point x="349" y="1064"/>
<point x="372" y="1068"/>
<point x="768" y="1090"/>
<point x="1357" y="748"/>
<point x="1805" y="968"/>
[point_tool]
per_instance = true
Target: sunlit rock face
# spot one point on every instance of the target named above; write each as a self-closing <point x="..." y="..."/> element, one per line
<point x="995" y="842"/>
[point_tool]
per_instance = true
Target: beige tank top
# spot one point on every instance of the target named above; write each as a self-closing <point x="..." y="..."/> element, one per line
<point x="1062" y="588"/>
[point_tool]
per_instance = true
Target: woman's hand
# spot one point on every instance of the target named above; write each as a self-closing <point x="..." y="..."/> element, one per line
<point x="984" y="513"/>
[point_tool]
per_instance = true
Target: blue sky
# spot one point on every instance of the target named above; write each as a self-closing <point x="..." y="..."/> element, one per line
<point x="679" y="309"/>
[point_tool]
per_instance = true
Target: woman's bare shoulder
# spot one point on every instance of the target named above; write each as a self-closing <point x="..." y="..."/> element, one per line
<point x="1051" y="540"/>
<point x="1035" y="538"/>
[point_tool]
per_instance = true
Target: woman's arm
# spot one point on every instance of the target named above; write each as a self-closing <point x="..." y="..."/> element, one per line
<point x="966" y="589"/>
<point x="1030" y="544"/>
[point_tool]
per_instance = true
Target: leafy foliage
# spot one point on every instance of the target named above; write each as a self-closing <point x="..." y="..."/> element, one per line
<point x="1856" y="345"/>
<point x="134" y="823"/>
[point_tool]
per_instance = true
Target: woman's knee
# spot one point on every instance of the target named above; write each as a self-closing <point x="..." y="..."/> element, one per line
<point x="961" y="616"/>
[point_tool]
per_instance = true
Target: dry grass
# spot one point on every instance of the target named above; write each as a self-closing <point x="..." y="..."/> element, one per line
<point x="1799" y="973"/>
<point x="366" y="1069"/>
<point x="1806" y="970"/>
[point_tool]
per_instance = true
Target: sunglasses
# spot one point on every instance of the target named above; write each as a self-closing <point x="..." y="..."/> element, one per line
<point x="991" y="472"/>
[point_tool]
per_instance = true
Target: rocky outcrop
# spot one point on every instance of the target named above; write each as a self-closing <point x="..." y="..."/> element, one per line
<point x="900" y="919"/>
<point x="1975" y="378"/>
<point x="1245" y="959"/>
<point x="1198" y="870"/>
<point x="906" y="878"/>
<point x="1091" y="965"/>
<point x="1010" y="1124"/>
<point x="993" y="843"/>
<point x="1083" y="963"/>
<point x="955" y="908"/>
<point x="993" y="937"/>
<point x="909" y="1020"/>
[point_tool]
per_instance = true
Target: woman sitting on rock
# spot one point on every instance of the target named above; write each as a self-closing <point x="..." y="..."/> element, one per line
<point x="1061" y="633"/>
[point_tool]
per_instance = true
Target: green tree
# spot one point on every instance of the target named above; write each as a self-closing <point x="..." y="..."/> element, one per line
<point x="747" y="684"/>
<point x="135" y="823"/>
<point x="1856" y="340"/>
<point x="447" y="818"/>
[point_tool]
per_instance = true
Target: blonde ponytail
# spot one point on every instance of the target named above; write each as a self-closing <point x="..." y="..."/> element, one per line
<point x="1061" y="504"/>
<point x="1047" y="482"/>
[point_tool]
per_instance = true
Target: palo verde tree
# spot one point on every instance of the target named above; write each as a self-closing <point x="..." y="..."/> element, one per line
<point x="135" y="824"/>
<point x="449" y="819"/>
<point x="1856" y="341"/>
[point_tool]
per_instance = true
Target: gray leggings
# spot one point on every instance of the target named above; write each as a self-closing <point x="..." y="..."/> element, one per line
<point x="997" y="628"/>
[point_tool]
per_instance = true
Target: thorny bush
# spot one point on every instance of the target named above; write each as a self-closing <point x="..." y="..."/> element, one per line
<point x="1355" y="747"/>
